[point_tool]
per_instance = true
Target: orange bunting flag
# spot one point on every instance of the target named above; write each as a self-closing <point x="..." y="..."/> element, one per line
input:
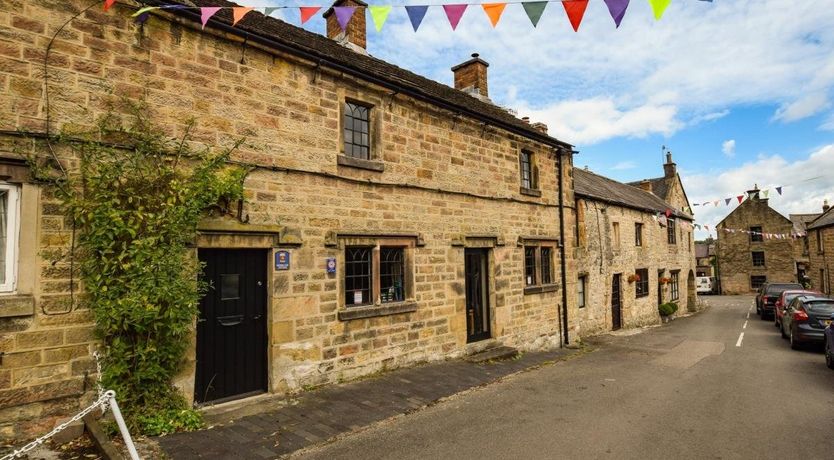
<point x="239" y="12"/>
<point x="494" y="11"/>
<point x="575" y="9"/>
<point x="307" y="12"/>
<point x="108" y="4"/>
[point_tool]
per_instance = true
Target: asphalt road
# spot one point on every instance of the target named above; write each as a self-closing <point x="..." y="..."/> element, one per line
<point x="684" y="390"/>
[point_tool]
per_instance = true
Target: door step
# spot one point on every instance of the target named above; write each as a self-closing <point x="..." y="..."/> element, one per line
<point x="493" y="354"/>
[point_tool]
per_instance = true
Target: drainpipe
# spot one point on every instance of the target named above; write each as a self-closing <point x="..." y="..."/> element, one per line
<point x="566" y="336"/>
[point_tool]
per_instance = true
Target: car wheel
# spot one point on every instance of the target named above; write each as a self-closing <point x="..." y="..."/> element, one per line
<point x="795" y="345"/>
<point x="829" y="359"/>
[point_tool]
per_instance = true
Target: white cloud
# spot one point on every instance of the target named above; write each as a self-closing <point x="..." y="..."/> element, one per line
<point x="805" y="107"/>
<point x="623" y="165"/>
<point x="804" y="188"/>
<point x="729" y="148"/>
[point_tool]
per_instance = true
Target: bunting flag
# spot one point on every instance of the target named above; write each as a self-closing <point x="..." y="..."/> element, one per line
<point x="765" y="192"/>
<point x="617" y="8"/>
<point x="534" y="11"/>
<point x="206" y="13"/>
<point x="727" y="201"/>
<point x="269" y="10"/>
<point x="658" y="7"/>
<point x="343" y="15"/>
<point x="144" y="10"/>
<point x="379" y="14"/>
<point x="494" y="11"/>
<point x="454" y="13"/>
<point x="716" y="203"/>
<point x="668" y="213"/>
<point x="740" y="198"/>
<point x="779" y="190"/>
<point x="307" y="12"/>
<point x="108" y="4"/>
<point x="575" y="10"/>
<point x="239" y="12"/>
<point x="416" y="14"/>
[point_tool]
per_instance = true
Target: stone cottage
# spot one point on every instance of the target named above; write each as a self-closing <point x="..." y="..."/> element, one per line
<point x="391" y="219"/>
<point x="748" y="255"/>
<point x="820" y="249"/>
<point x="630" y="256"/>
<point x="705" y="257"/>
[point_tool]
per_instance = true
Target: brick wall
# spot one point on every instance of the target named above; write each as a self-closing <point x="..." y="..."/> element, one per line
<point x="450" y="180"/>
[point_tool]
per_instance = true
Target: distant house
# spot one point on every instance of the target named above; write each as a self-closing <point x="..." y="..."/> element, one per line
<point x="821" y="251"/>
<point x="801" y="246"/>
<point x="630" y="256"/>
<point x="705" y="258"/>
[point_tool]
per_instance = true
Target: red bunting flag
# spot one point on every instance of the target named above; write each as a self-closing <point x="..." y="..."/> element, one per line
<point x="307" y="12"/>
<point x="575" y="9"/>
<point x="239" y="12"/>
<point x="108" y="4"/>
<point x="668" y="212"/>
<point x="740" y="197"/>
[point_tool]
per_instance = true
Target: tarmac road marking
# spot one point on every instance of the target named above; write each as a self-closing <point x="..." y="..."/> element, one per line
<point x="745" y="325"/>
<point x="740" y="338"/>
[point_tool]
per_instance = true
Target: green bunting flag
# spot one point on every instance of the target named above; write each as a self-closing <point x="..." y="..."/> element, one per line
<point x="658" y="7"/>
<point x="534" y="11"/>
<point x="379" y="14"/>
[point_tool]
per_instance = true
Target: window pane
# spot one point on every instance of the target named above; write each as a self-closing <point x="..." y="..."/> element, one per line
<point x="546" y="276"/>
<point x="642" y="284"/>
<point x="391" y="275"/>
<point x="581" y="287"/>
<point x="756" y="234"/>
<point x="358" y="275"/>
<point x="670" y="231"/>
<point x="357" y="131"/>
<point x="529" y="266"/>
<point x="526" y="170"/>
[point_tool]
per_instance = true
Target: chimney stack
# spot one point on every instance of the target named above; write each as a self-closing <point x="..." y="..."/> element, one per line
<point x="825" y="206"/>
<point x="355" y="36"/>
<point x="540" y="127"/>
<point x="646" y="185"/>
<point x="669" y="168"/>
<point x="471" y="77"/>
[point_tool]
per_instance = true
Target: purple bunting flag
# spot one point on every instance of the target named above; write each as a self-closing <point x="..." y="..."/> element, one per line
<point x="727" y="201"/>
<point x="416" y="13"/>
<point x="454" y="13"/>
<point x="206" y="13"/>
<point x="779" y="190"/>
<point x="617" y="8"/>
<point x="343" y="15"/>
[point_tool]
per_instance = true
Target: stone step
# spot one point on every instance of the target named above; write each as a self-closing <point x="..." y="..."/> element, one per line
<point x="493" y="354"/>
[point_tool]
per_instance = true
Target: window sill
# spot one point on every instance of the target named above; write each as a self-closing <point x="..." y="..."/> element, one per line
<point x="541" y="289"/>
<point x="16" y="305"/>
<point x="530" y="191"/>
<point x="370" y="311"/>
<point x="370" y="165"/>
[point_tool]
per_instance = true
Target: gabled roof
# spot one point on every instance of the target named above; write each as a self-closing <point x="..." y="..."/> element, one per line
<point x="704" y="250"/>
<point x="825" y="219"/>
<point x="746" y="203"/>
<point x="801" y="221"/>
<point x="284" y="37"/>
<point x="599" y="188"/>
<point x="660" y="186"/>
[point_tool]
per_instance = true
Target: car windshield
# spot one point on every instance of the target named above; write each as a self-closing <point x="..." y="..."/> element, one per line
<point x="820" y="307"/>
<point x="778" y="288"/>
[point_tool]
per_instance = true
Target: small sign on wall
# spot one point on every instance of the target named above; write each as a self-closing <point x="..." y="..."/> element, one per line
<point x="331" y="265"/>
<point x="282" y="260"/>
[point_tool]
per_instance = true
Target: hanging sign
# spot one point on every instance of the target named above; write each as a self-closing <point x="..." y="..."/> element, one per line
<point x="331" y="265"/>
<point x="282" y="260"/>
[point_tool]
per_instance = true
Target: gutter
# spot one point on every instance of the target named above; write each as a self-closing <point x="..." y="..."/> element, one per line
<point x="325" y="61"/>
<point x="566" y="337"/>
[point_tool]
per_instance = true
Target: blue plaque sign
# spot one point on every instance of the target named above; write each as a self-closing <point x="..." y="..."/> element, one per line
<point x="331" y="265"/>
<point x="282" y="260"/>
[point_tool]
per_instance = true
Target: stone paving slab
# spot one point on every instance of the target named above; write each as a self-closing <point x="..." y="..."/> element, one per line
<point x="335" y="410"/>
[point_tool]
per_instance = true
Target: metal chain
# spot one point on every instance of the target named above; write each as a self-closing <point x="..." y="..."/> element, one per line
<point x="99" y="388"/>
<point x="102" y="400"/>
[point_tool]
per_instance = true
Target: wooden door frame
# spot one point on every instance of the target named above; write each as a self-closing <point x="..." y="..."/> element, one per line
<point x="487" y="259"/>
<point x="619" y="277"/>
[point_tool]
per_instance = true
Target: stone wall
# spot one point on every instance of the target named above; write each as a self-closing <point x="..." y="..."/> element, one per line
<point x="820" y="258"/>
<point x="734" y="249"/>
<point x="599" y="257"/>
<point x="438" y="181"/>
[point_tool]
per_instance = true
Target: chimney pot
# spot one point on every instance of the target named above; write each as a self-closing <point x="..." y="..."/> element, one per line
<point x="825" y="206"/>
<point x="356" y="33"/>
<point x="471" y="76"/>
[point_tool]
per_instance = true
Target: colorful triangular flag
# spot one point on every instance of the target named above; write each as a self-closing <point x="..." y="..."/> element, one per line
<point x="144" y="10"/>
<point x="239" y="12"/>
<point x="108" y="4"/>
<point x="416" y="13"/>
<point x="206" y="13"/>
<point x="379" y="14"/>
<point x="740" y="198"/>
<point x="779" y="190"/>
<point x="307" y="12"/>
<point x="617" y="8"/>
<point x="454" y="13"/>
<point x="575" y="9"/>
<point x="715" y="203"/>
<point x="658" y="7"/>
<point x="494" y="11"/>
<point x="344" y="15"/>
<point x="534" y="11"/>
<point x="727" y="201"/>
<point x="765" y="192"/>
<point x="269" y="10"/>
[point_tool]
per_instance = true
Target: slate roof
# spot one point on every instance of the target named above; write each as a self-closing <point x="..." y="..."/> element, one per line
<point x="703" y="250"/>
<point x="660" y="186"/>
<point x="801" y="221"/>
<point x="825" y="219"/>
<point x="331" y="54"/>
<point x="600" y="188"/>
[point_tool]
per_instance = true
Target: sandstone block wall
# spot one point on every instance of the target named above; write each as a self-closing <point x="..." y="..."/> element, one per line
<point x="819" y="255"/>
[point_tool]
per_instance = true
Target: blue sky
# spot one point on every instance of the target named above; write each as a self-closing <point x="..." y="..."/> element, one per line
<point x="739" y="90"/>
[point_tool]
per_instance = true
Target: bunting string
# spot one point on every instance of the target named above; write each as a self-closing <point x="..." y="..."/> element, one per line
<point x="763" y="193"/>
<point x="574" y="10"/>
<point x="664" y="218"/>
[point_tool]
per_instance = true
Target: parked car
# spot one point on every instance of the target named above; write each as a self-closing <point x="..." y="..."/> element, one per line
<point x="806" y="318"/>
<point x="703" y="285"/>
<point x="769" y="293"/>
<point x="829" y="344"/>
<point x="784" y="300"/>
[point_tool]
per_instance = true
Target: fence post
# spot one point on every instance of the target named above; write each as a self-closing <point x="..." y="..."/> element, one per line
<point x="117" y="414"/>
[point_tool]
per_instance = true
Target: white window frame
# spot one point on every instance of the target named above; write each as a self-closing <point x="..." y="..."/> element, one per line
<point x="12" y="232"/>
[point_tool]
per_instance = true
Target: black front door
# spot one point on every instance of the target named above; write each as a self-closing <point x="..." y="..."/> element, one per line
<point x="616" y="307"/>
<point x="231" y="328"/>
<point x="659" y="287"/>
<point x="477" y="294"/>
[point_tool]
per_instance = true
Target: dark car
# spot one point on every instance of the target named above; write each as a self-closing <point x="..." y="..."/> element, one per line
<point x="784" y="300"/>
<point x="769" y="293"/>
<point x="806" y="318"/>
<point x="829" y="345"/>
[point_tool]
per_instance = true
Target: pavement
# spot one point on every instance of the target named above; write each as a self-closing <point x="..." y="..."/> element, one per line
<point x="695" y="388"/>
<point x="276" y="426"/>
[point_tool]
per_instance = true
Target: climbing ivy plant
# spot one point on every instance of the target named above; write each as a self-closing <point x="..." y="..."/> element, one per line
<point x="135" y="199"/>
